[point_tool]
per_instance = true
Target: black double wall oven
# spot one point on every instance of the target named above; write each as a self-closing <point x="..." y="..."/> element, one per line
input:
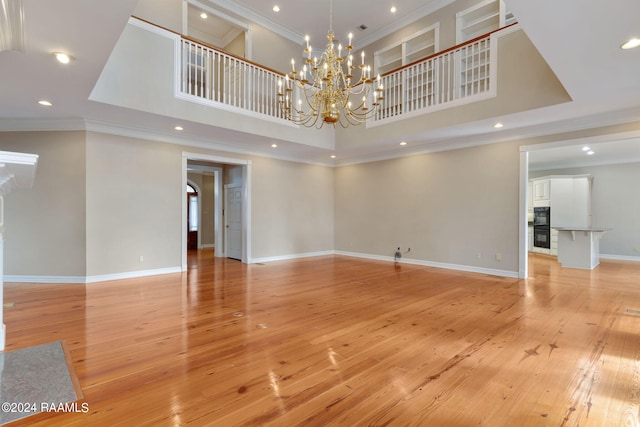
<point x="542" y="227"/>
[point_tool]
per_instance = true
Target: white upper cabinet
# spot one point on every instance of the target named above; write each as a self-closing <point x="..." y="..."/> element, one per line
<point x="541" y="191"/>
<point x="568" y="196"/>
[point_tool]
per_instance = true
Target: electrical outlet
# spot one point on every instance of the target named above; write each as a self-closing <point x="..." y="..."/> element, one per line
<point x="478" y="255"/>
<point x="141" y="258"/>
<point x="498" y="256"/>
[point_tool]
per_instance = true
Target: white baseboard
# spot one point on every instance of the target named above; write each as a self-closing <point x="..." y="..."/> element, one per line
<point x="208" y="246"/>
<point x="90" y="279"/>
<point x="44" y="279"/>
<point x="132" y="274"/>
<point x="468" y="268"/>
<point x="291" y="256"/>
<point x="620" y="257"/>
<point x="143" y="273"/>
<point x="471" y="269"/>
<point x="3" y="331"/>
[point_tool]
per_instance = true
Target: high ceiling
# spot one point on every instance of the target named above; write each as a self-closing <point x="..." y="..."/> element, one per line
<point x="299" y="18"/>
<point x="579" y="39"/>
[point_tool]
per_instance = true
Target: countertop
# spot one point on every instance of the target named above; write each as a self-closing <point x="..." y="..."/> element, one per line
<point x="592" y="229"/>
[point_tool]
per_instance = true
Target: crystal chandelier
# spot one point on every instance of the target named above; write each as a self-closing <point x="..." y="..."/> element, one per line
<point x="324" y="90"/>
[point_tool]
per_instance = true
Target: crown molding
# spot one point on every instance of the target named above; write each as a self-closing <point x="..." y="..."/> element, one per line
<point x="261" y="20"/>
<point x="425" y="10"/>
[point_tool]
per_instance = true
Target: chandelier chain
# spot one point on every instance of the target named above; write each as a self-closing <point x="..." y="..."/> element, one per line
<point x="331" y="16"/>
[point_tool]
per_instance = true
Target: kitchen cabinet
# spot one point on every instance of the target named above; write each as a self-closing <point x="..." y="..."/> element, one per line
<point x="554" y="242"/>
<point x="569" y="199"/>
<point x="541" y="191"/>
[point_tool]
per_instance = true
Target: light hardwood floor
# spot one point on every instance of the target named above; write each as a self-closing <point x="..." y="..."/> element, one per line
<point x="346" y="342"/>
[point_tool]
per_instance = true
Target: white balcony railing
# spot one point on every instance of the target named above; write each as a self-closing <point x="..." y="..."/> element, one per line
<point x="218" y="77"/>
<point x="462" y="74"/>
<point x="443" y="80"/>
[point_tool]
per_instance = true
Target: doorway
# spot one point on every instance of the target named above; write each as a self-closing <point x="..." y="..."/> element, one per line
<point x="192" y="217"/>
<point x="233" y="220"/>
<point x="236" y="171"/>
<point x="563" y="155"/>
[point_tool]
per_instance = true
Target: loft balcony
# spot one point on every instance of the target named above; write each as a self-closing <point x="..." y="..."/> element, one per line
<point x="462" y="74"/>
<point x="235" y="101"/>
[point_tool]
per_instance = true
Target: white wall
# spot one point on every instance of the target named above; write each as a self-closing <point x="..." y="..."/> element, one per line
<point x="45" y="225"/>
<point x="293" y="206"/>
<point x="134" y="197"/>
<point x="448" y="207"/>
<point x="102" y="201"/>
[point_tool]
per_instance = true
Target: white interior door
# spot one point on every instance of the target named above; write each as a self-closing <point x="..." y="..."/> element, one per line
<point x="233" y="220"/>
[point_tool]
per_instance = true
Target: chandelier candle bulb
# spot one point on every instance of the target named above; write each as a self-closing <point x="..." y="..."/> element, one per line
<point x="363" y="57"/>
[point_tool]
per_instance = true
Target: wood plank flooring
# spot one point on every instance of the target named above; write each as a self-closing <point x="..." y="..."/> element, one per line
<point x="344" y="342"/>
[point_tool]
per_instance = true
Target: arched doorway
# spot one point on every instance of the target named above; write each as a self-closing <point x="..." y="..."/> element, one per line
<point x="192" y="217"/>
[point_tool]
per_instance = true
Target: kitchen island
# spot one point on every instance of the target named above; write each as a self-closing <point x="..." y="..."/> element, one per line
<point x="579" y="247"/>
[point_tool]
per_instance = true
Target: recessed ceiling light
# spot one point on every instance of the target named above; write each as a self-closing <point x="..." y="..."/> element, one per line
<point x="498" y="125"/>
<point x="631" y="44"/>
<point x="203" y="15"/>
<point x="393" y="9"/>
<point x="274" y="145"/>
<point x="333" y="156"/>
<point x="45" y="103"/>
<point x="62" y="57"/>
<point x="178" y="128"/>
<point x="276" y="8"/>
<point x="585" y="148"/>
<point x="590" y="153"/>
<point x="403" y="143"/>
